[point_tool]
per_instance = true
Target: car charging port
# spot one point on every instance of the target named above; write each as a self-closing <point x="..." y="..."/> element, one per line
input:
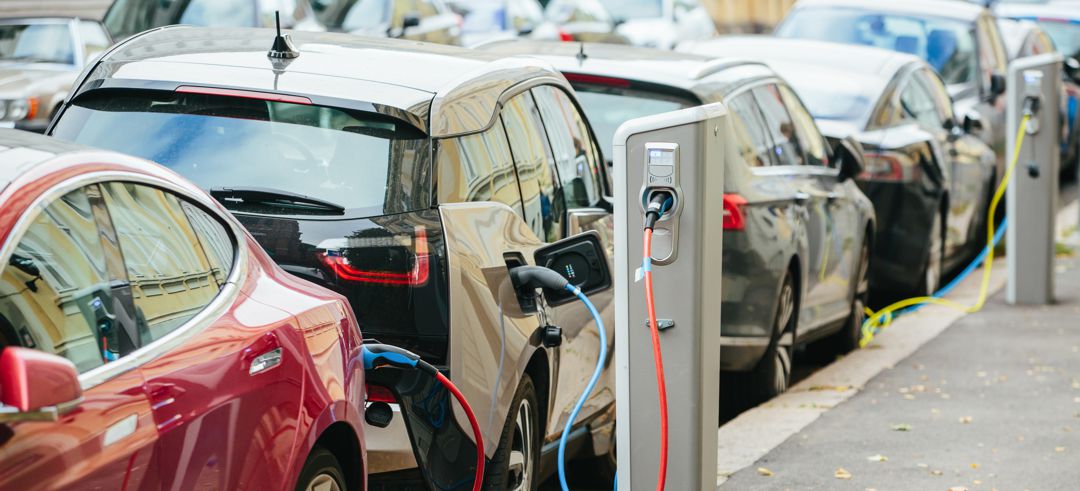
<point x="659" y="205"/>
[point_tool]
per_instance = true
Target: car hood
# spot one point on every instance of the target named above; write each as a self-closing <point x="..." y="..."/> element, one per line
<point x="27" y="79"/>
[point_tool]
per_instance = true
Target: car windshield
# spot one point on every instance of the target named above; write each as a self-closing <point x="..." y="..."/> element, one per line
<point x="48" y="43"/>
<point x="1066" y="35"/>
<point x="352" y="15"/>
<point x="127" y="17"/>
<point x="947" y="45"/>
<point x="845" y="96"/>
<point x="367" y="163"/>
<point x="607" y="109"/>
<point x="634" y="9"/>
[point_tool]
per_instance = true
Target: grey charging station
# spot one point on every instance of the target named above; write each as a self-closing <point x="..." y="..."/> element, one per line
<point x="682" y="152"/>
<point x="1032" y="196"/>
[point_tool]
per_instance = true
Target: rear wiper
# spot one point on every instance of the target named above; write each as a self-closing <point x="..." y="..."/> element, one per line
<point x="253" y="196"/>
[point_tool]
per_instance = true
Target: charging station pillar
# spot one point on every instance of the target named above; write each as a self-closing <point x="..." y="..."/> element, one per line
<point x="682" y="152"/>
<point x="1032" y="196"/>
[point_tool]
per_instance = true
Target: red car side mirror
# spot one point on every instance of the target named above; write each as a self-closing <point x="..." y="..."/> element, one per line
<point x="36" y="386"/>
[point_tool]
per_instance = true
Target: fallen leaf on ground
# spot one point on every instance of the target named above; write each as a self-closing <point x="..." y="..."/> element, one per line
<point x="901" y="427"/>
<point x="877" y="458"/>
<point x="1059" y="449"/>
<point x="958" y="488"/>
<point x="974" y="465"/>
<point x="842" y="474"/>
<point x="765" y="472"/>
<point x="936" y="472"/>
<point x="837" y="388"/>
<point x="966" y="419"/>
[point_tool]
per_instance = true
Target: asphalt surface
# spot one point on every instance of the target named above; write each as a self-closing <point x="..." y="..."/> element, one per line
<point x="991" y="403"/>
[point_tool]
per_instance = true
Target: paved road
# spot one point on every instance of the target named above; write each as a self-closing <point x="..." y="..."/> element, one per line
<point x="992" y="403"/>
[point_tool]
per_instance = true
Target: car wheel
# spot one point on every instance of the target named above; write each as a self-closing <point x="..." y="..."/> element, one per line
<point x="849" y="338"/>
<point x="772" y="375"/>
<point x="514" y="465"/>
<point x="931" y="271"/>
<point x="321" y="472"/>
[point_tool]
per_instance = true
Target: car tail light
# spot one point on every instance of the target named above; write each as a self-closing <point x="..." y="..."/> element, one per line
<point x="584" y="78"/>
<point x="565" y="36"/>
<point x="734" y="218"/>
<point x="378" y="393"/>
<point x="244" y="94"/>
<point x="889" y="167"/>
<point x="337" y="261"/>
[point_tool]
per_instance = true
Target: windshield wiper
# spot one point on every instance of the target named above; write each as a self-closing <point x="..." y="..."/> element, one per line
<point x="299" y="204"/>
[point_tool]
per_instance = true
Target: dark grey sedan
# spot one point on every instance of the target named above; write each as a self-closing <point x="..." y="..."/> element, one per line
<point x="797" y="230"/>
<point x="929" y="175"/>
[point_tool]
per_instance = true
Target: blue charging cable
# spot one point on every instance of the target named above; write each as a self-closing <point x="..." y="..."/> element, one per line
<point x="589" y="388"/>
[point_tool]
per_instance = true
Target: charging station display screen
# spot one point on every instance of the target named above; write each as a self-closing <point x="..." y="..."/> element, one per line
<point x="661" y="157"/>
<point x="661" y="164"/>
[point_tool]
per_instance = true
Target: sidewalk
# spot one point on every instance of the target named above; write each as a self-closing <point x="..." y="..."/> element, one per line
<point x="993" y="402"/>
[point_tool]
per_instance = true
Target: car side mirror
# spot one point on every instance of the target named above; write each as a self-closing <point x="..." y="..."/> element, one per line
<point x="582" y="260"/>
<point x="997" y="85"/>
<point x="411" y="19"/>
<point x="973" y="124"/>
<point x="1072" y="68"/>
<point x="850" y="153"/>
<point x="36" y="386"/>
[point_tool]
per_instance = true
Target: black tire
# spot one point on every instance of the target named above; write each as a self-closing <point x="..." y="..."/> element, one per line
<point x="605" y="466"/>
<point x="515" y="463"/>
<point x="772" y="374"/>
<point x="932" y="270"/>
<point x="320" y="469"/>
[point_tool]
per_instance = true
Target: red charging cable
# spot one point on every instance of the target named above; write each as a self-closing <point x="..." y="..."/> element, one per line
<point x="478" y="481"/>
<point x="658" y="359"/>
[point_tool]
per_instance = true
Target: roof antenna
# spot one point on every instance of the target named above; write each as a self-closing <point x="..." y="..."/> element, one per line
<point x="283" y="47"/>
<point x="581" y="56"/>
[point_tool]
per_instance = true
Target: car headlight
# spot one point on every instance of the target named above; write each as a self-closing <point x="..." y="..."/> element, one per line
<point x="18" y="109"/>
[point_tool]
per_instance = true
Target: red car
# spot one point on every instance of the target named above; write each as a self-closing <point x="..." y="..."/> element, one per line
<point x="147" y="341"/>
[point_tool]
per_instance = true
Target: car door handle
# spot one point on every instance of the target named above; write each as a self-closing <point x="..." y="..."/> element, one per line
<point x="801" y="198"/>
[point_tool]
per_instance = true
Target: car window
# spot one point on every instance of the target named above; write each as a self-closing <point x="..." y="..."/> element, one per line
<point x="805" y="128"/>
<point x="749" y="130"/>
<point x="785" y="141"/>
<point x="543" y="207"/>
<point x="1064" y="33"/>
<point x="216" y="241"/>
<point x="608" y="107"/>
<point x="56" y="294"/>
<point x="567" y="11"/>
<point x="478" y="167"/>
<point x="946" y="44"/>
<point x="942" y="99"/>
<point x="171" y="277"/>
<point x="94" y="38"/>
<point x="575" y="154"/>
<point x="364" y="14"/>
<point x="367" y="163"/>
<point x="918" y="104"/>
<point x="46" y="43"/>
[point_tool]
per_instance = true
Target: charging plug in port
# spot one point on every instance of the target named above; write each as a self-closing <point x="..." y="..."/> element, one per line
<point x="659" y="203"/>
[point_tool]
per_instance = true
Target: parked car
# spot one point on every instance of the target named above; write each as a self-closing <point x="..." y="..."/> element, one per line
<point x="419" y="20"/>
<point x="489" y="20"/>
<point x="959" y="40"/>
<point x="661" y="23"/>
<point x="40" y="57"/>
<point x="408" y="177"/>
<point x="128" y="17"/>
<point x="797" y="230"/>
<point x="578" y="20"/>
<point x="147" y="341"/>
<point x="1060" y="21"/>
<point x="928" y="174"/>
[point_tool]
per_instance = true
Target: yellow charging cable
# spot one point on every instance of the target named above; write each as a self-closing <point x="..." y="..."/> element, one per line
<point x="883" y="318"/>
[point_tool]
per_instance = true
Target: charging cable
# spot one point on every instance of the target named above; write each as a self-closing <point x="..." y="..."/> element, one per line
<point x="383" y="355"/>
<point x="658" y="204"/>
<point x="533" y="277"/>
<point x="876" y="321"/>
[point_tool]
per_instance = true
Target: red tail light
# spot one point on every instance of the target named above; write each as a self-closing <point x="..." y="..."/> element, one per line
<point x="585" y="78"/>
<point x="244" y="94"/>
<point x="378" y="393"/>
<point x="889" y="167"/>
<point x="417" y="276"/>
<point x="565" y="36"/>
<point x="734" y="218"/>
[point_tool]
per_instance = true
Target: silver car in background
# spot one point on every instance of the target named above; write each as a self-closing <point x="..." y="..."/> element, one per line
<point x="39" y="60"/>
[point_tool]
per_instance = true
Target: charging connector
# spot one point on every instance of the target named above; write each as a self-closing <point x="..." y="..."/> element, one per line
<point x="659" y="203"/>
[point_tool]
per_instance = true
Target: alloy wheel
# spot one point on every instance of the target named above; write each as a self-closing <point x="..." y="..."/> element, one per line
<point x="784" y="317"/>
<point x="933" y="262"/>
<point x="521" y="450"/>
<point x="323" y="482"/>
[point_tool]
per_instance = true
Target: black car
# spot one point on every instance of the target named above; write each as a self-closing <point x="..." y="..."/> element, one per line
<point x="797" y="230"/>
<point x="959" y="40"/>
<point x="929" y="175"/>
